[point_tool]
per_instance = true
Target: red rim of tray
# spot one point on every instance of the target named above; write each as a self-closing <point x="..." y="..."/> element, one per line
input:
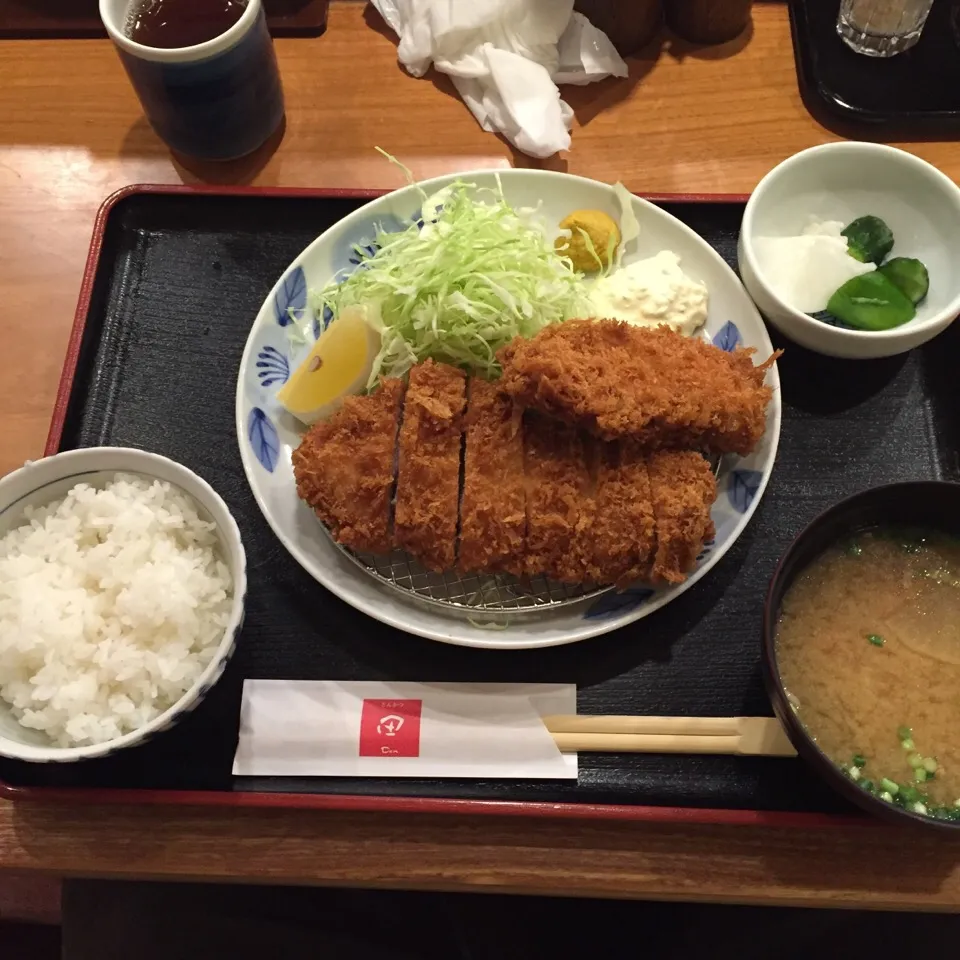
<point x="351" y="802"/>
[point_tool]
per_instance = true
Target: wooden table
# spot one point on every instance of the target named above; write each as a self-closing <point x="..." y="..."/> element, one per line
<point x="685" y="121"/>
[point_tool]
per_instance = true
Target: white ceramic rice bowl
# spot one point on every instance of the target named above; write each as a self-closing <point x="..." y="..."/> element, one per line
<point x="42" y="481"/>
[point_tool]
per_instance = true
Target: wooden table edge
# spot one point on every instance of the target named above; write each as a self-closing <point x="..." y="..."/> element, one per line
<point x="626" y="860"/>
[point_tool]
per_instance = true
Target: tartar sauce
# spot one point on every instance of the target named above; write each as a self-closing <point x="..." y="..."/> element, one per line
<point x="650" y="293"/>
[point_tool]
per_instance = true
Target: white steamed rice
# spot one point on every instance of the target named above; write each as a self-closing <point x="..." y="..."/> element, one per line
<point x="112" y="602"/>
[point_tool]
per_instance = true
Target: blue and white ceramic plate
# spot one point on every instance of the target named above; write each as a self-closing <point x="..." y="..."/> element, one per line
<point x="267" y="435"/>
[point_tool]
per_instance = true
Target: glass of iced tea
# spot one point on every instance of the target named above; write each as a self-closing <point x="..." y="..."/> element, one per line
<point x="205" y="71"/>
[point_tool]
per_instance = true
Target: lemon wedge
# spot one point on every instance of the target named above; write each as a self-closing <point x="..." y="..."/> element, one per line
<point x="338" y="366"/>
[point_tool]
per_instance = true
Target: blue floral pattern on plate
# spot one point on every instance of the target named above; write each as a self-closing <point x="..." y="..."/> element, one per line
<point x="705" y="552"/>
<point x="619" y="601"/>
<point x="291" y="298"/>
<point x="273" y="367"/>
<point x="347" y="252"/>
<point x="727" y="337"/>
<point x="362" y="252"/>
<point x="321" y="322"/>
<point x="742" y="487"/>
<point x="264" y="439"/>
<point x="350" y="253"/>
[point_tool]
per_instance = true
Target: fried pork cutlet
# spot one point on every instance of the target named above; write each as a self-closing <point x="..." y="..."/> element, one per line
<point x="539" y="496"/>
<point x="652" y="385"/>
<point x="683" y="488"/>
<point x="344" y="468"/>
<point x="428" y="473"/>
<point x="558" y="491"/>
<point x="493" y="520"/>
<point x="621" y="538"/>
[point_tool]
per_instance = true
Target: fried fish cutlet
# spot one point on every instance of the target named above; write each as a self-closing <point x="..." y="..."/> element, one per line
<point x="683" y="488"/>
<point x="558" y="487"/>
<point x="344" y="468"/>
<point x="428" y="472"/>
<point x="621" y="539"/>
<point x="652" y="385"/>
<point x="493" y="521"/>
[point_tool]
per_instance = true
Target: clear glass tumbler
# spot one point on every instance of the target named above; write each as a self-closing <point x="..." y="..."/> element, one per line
<point x="882" y="28"/>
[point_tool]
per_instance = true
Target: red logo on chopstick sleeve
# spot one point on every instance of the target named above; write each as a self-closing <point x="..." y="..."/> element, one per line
<point x="390" y="728"/>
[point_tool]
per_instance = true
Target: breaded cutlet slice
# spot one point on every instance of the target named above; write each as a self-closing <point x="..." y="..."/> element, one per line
<point x="493" y="519"/>
<point x="344" y="468"/>
<point x="428" y="472"/>
<point x="558" y="486"/>
<point x="683" y="488"/>
<point x="652" y="385"/>
<point x="621" y="539"/>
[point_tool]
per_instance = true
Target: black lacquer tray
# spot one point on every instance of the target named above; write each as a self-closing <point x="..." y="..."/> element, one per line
<point x="916" y="93"/>
<point x="176" y="276"/>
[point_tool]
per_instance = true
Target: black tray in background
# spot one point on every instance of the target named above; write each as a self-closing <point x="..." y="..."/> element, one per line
<point x="181" y="277"/>
<point x="916" y="92"/>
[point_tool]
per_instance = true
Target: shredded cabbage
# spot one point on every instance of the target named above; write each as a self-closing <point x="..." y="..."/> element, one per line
<point x="460" y="285"/>
<point x="629" y="225"/>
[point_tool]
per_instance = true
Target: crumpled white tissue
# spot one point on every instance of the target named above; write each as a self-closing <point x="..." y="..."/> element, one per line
<point x="506" y="58"/>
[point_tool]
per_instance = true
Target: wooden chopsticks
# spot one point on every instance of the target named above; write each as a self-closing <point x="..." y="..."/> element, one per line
<point x="744" y="736"/>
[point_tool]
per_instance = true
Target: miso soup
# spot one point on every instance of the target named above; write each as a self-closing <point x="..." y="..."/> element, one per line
<point x="868" y="647"/>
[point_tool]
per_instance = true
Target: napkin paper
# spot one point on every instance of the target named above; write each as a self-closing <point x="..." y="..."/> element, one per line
<point x="308" y="728"/>
<point x="505" y="58"/>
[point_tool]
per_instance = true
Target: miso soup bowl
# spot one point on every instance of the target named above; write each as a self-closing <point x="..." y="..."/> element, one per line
<point x="933" y="504"/>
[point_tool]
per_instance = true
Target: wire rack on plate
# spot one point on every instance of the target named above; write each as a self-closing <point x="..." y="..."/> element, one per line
<point x="477" y="595"/>
<point x="472" y="595"/>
